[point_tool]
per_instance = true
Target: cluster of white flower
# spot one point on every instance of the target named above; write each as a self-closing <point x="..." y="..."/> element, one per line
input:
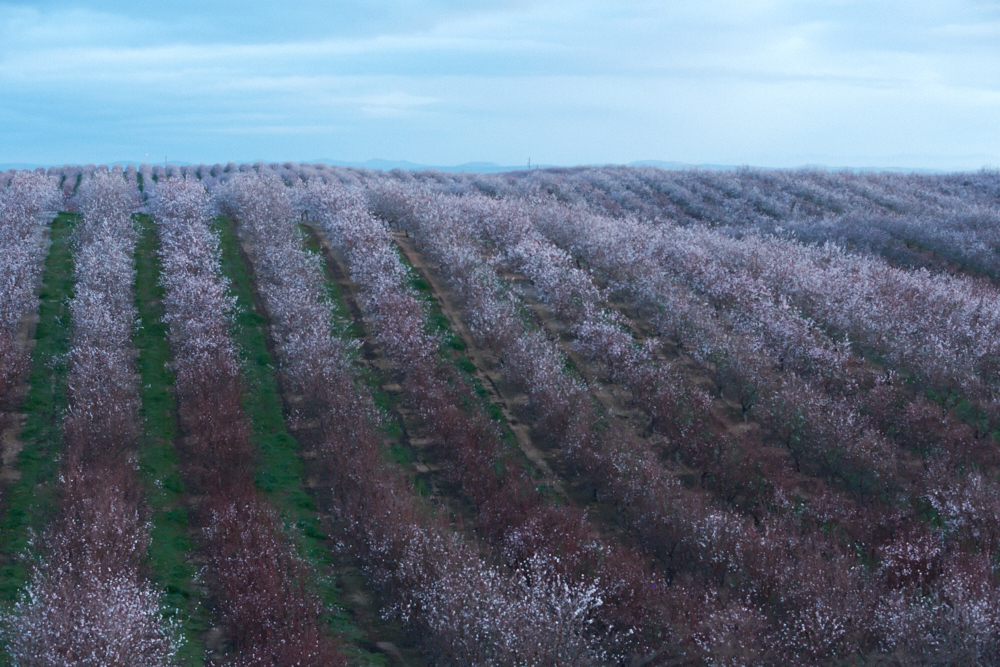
<point x="902" y="216"/>
<point x="942" y="329"/>
<point x="87" y="601"/>
<point x="764" y="345"/>
<point x="819" y="346"/>
<point x="290" y="280"/>
<point x="24" y="198"/>
<point x="626" y="468"/>
<point x="491" y="310"/>
<point x="264" y="593"/>
<point x="524" y="530"/>
<point x="740" y="355"/>
<point x="101" y="382"/>
<point x="914" y="220"/>
<point x="196" y="303"/>
<point x="953" y="619"/>
<point x="820" y="427"/>
<point x="855" y="295"/>
<point x="433" y="578"/>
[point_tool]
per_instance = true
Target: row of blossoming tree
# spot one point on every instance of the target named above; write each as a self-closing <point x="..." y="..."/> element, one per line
<point x="88" y="600"/>
<point x="804" y="364"/>
<point x="528" y="612"/>
<point x="24" y="197"/>
<point x="823" y="624"/>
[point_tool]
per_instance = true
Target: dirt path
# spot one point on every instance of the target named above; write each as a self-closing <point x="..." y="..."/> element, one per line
<point x="617" y="400"/>
<point x="542" y="452"/>
<point x="511" y="402"/>
<point x="567" y="485"/>
<point x="406" y="438"/>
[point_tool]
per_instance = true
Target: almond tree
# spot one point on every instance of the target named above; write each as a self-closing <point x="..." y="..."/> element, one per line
<point x="21" y="253"/>
<point x="511" y="513"/>
<point x="531" y="615"/>
<point x="87" y="601"/>
<point x="264" y="589"/>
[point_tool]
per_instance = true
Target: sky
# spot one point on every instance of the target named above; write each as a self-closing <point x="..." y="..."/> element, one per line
<point x="771" y="83"/>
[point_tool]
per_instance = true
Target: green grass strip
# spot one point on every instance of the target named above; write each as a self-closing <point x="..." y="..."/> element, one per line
<point x="30" y="501"/>
<point x="280" y="472"/>
<point x="343" y="324"/>
<point x="159" y="463"/>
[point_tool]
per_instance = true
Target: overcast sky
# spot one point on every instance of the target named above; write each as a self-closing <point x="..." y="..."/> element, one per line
<point x="912" y="83"/>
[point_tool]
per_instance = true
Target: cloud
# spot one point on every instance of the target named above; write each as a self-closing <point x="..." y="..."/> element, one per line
<point x="755" y="81"/>
<point x="28" y="29"/>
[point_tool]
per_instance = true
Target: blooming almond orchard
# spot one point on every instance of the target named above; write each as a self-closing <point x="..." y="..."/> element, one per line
<point x="291" y="414"/>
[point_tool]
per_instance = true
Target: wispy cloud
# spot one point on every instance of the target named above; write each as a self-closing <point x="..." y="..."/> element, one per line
<point x="756" y="81"/>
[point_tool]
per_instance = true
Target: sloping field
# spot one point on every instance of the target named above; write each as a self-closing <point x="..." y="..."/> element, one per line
<point x="302" y="415"/>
